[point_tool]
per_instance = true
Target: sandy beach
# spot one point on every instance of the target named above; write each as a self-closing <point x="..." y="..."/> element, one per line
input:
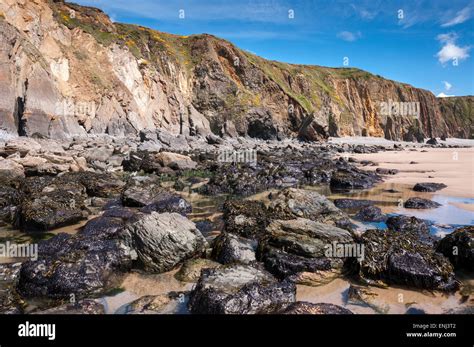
<point x="451" y="166"/>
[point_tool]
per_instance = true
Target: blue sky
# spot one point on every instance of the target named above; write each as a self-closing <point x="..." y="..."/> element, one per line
<point x="427" y="43"/>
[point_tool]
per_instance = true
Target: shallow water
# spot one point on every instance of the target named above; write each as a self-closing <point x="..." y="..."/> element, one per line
<point x="388" y="196"/>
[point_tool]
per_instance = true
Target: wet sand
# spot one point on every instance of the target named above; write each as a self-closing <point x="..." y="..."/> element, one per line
<point x="451" y="166"/>
<point x="395" y="300"/>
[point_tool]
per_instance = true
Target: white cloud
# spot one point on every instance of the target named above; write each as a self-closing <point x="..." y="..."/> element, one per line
<point x="442" y="95"/>
<point x="349" y="36"/>
<point x="450" y="50"/>
<point x="461" y="17"/>
<point x="447" y="85"/>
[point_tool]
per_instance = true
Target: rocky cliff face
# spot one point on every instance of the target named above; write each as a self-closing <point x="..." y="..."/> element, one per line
<point x="67" y="70"/>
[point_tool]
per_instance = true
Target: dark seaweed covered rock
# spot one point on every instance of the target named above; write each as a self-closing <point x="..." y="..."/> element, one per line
<point x="153" y="198"/>
<point x="407" y="224"/>
<point x="459" y="248"/>
<point x="10" y="300"/>
<point x="53" y="207"/>
<point x="239" y="289"/>
<point x="400" y="258"/>
<point x="300" y="245"/>
<point x="370" y="214"/>
<point x="428" y="187"/>
<point x="420" y="203"/>
<point x="52" y="202"/>
<point x="229" y="248"/>
<point x="245" y="218"/>
<point x="302" y="307"/>
<point x="348" y="178"/>
<point x="79" y="265"/>
<point x="96" y="184"/>
<point x="168" y="203"/>
<point x="352" y="203"/>
<point x="10" y="198"/>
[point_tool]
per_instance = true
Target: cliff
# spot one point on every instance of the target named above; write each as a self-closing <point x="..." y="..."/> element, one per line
<point x="68" y="70"/>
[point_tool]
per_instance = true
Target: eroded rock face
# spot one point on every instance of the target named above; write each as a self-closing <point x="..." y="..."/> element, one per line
<point x="162" y="241"/>
<point x="239" y="289"/>
<point x="400" y="258"/>
<point x="459" y="248"/>
<point x="147" y="88"/>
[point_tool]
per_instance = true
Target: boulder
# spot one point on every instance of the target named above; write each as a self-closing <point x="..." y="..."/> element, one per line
<point x="54" y="207"/>
<point x="245" y="218"/>
<point x="459" y="248"/>
<point x="301" y="245"/>
<point x="229" y="248"/>
<point x="352" y="203"/>
<point x="10" y="198"/>
<point x="407" y="224"/>
<point x="175" y="161"/>
<point x="176" y="143"/>
<point x="88" y="263"/>
<point x="239" y="289"/>
<point x="10" y="171"/>
<point x="429" y="187"/>
<point x="153" y="198"/>
<point x="420" y="203"/>
<point x="400" y="258"/>
<point x="162" y="241"/>
<point x="348" y="178"/>
<point x="370" y="214"/>
<point x="292" y="203"/>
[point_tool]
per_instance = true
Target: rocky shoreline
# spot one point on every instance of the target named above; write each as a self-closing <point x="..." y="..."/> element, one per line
<point x="129" y="194"/>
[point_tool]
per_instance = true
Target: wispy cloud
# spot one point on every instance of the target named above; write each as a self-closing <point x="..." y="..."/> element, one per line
<point x="349" y="36"/>
<point x="447" y="85"/>
<point x="450" y="51"/>
<point x="461" y="16"/>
